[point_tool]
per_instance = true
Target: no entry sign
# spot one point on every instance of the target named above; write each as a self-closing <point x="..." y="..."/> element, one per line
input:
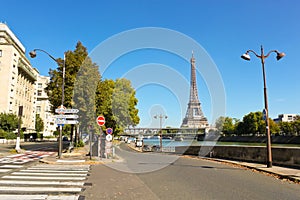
<point x="100" y="120"/>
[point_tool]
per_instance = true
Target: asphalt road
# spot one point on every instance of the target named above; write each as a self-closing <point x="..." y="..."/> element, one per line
<point x="152" y="176"/>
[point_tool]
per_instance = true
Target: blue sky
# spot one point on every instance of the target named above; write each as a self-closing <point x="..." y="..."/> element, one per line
<point x="224" y="29"/>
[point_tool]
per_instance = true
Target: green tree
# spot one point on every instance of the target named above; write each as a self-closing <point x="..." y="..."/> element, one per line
<point x="116" y="101"/>
<point x="8" y="122"/>
<point x="73" y="61"/>
<point x="226" y="125"/>
<point x="85" y="89"/>
<point x="39" y="124"/>
<point x="286" y="128"/>
<point x="219" y="123"/>
<point x="124" y="104"/>
<point x="254" y="124"/>
<point x="296" y="125"/>
<point x="104" y="95"/>
<point x="274" y="128"/>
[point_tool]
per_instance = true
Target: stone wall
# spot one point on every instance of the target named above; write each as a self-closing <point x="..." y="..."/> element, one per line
<point x="284" y="156"/>
<point x="279" y="139"/>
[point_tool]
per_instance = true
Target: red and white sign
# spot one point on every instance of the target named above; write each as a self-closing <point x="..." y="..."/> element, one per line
<point x="100" y="120"/>
<point x="60" y="110"/>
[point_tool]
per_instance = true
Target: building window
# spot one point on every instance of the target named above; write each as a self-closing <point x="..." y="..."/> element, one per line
<point x="38" y="109"/>
<point x="40" y="85"/>
<point x="0" y="53"/>
<point x="39" y="93"/>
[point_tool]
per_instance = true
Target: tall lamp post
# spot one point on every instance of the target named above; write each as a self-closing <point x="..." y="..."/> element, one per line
<point x="262" y="57"/>
<point x="160" y="127"/>
<point x="33" y="55"/>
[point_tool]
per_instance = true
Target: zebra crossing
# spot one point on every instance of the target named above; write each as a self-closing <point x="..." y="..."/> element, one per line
<point x="44" y="181"/>
<point x="27" y="156"/>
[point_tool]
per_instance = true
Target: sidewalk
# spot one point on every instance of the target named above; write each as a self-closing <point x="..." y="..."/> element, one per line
<point x="79" y="157"/>
<point x="281" y="172"/>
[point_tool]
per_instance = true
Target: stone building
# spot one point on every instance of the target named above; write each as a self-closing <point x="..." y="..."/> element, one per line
<point x="43" y="106"/>
<point x="17" y="79"/>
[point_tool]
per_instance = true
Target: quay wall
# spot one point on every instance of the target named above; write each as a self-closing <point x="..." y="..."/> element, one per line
<point x="282" y="156"/>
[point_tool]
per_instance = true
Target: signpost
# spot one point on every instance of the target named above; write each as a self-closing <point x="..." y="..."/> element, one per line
<point x="100" y="121"/>
<point x="63" y="116"/>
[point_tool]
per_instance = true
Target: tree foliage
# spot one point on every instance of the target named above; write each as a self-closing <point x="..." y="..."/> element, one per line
<point x="8" y="122"/>
<point x="85" y="89"/>
<point x="252" y="124"/>
<point x="72" y="63"/>
<point x="39" y="124"/>
<point x="116" y="101"/>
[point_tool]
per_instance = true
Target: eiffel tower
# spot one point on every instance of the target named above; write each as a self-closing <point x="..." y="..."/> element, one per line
<point x="194" y="117"/>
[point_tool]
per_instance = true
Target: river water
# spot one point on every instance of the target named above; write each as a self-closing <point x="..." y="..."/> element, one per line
<point x="170" y="142"/>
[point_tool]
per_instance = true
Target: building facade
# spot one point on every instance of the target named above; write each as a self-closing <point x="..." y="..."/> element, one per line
<point x="285" y="118"/>
<point x="43" y="106"/>
<point x="17" y="79"/>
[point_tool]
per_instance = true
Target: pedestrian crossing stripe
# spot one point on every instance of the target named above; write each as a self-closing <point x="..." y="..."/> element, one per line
<point x="25" y="157"/>
<point x="58" y="183"/>
<point x="38" y="197"/>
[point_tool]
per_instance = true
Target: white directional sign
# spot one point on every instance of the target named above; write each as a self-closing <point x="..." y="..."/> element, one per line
<point x="66" y="116"/>
<point x="59" y="110"/>
<point x="64" y="121"/>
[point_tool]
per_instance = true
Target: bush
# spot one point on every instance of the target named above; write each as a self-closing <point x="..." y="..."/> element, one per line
<point x="10" y="136"/>
<point x="80" y="143"/>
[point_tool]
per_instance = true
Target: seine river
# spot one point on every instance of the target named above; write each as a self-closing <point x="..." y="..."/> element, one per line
<point x="184" y="142"/>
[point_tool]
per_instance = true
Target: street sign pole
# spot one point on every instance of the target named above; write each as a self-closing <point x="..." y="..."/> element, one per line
<point x="91" y="140"/>
<point x="100" y="121"/>
<point x="60" y="141"/>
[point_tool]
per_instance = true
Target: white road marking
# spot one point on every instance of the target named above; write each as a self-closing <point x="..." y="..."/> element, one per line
<point x="38" y="197"/>
<point x="60" y="183"/>
<point x="11" y="166"/>
<point x="45" y="178"/>
<point x="39" y="189"/>
<point x="46" y="174"/>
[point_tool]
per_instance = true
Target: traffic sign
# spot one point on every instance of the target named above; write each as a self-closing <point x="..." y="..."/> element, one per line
<point x="100" y="120"/>
<point x="109" y="130"/>
<point x="64" y="121"/>
<point x="60" y="110"/>
<point x="66" y="116"/>
<point x="264" y="114"/>
<point x="108" y="137"/>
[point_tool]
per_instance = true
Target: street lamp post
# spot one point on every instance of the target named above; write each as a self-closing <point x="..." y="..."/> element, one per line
<point x="262" y="57"/>
<point x="33" y="55"/>
<point x="160" y="127"/>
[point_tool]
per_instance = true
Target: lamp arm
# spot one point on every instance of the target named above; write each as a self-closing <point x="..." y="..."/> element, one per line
<point x="48" y="55"/>
<point x="253" y="53"/>
<point x="271" y="52"/>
